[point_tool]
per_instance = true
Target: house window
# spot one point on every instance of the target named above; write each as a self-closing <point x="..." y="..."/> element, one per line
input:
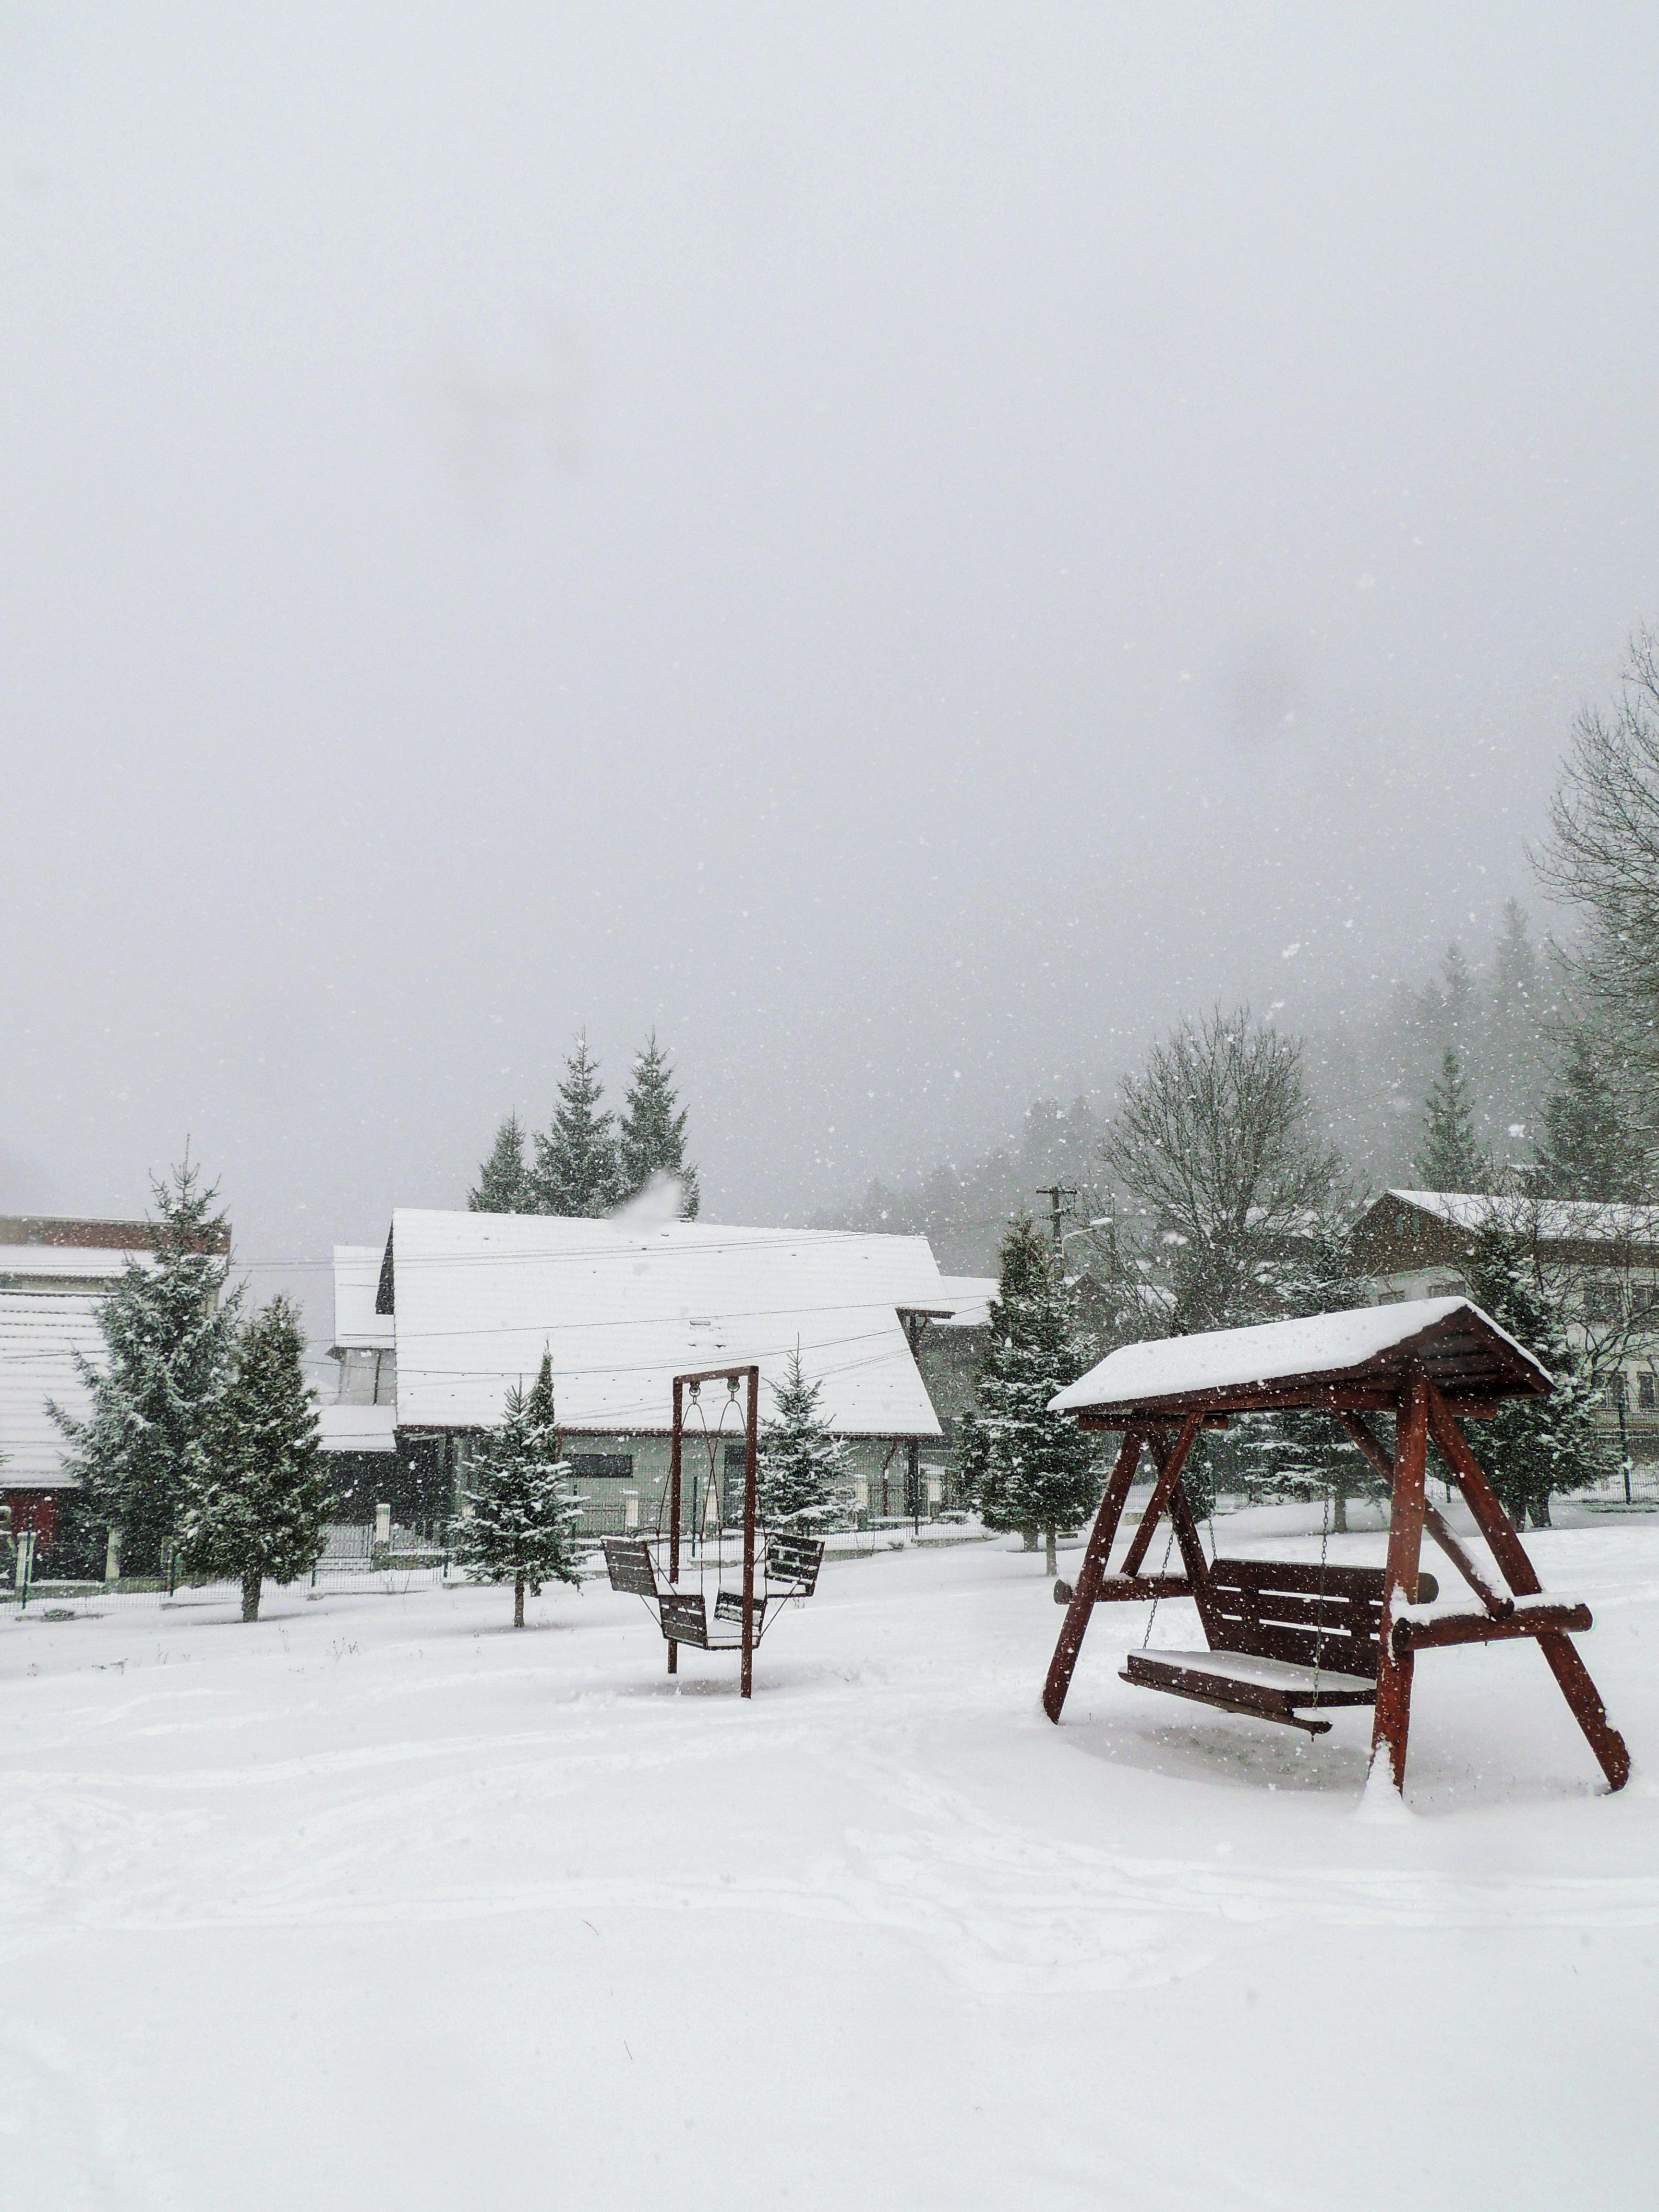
<point x="1644" y="1393"/>
<point x="601" y="1466"/>
<point x="1602" y="1302"/>
<point x="733" y="1469"/>
<point x="1644" y="1297"/>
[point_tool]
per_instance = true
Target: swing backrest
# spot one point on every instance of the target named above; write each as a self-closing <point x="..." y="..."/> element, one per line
<point x="1310" y="1616"/>
<point x="628" y="1559"/>
<point x="794" y="1559"/>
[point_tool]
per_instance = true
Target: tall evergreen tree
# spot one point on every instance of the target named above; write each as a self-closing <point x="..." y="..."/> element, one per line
<point x="1449" y="1158"/>
<point x="504" y="1184"/>
<point x="169" y="1327"/>
<point x="652" y="1138"/>
<point x="801" y="1468"/>
<point x="576" y="1169"/>
<point x="1027" y="1468"/>
<point x="262" y="1507"/>
<point x="1535" y="1446"/>
<point x="1588" y="1150"/>
<point x="521" y="1507"/>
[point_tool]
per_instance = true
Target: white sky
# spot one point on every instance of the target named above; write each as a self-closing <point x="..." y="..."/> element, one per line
<point x="904" y="549"/>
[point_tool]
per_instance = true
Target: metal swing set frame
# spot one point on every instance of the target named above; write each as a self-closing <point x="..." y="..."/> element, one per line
<point x="791" y="1562"/>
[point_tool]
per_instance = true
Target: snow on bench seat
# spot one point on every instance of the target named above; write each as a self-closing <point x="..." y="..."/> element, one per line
<point x="1264" y="1674"/>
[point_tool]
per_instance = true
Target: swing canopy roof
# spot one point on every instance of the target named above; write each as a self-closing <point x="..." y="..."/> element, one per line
<point x="1365" y="1357"/>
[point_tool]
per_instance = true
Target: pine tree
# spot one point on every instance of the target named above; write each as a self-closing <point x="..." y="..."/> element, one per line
<point x="1027" y="1468"/>
<point x="262" y="1508"/>
<point x="521" y="1507"/>
<point x="1588" y="1150"/>
<point x="1450" y="1160"/>
<point x="576" y="1170"/>
<point x="504" y="1184"/>
<point x="1534" y="1446"/>
<point x="802" y="1475"/>
<point x="169" y="1328"/>
<point x="651" y="1139"/>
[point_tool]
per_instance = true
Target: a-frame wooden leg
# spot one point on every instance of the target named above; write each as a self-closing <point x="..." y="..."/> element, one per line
<point x="1101" y="1537"/>
<point x="1584" y="1698"/>
<point x="1391" y="1720"/>
<point x="1170" y="1459"/>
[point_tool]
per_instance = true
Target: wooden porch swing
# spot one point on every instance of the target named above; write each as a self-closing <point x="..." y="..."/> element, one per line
<point x="1285" y="1639"/>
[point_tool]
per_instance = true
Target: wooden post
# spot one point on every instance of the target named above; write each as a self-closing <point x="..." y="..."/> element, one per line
<point x="750" y="1500"/>
<point x="1391" y="1721"/>
<point x="674" y="1509"/>
<point x="1584" y="1698"/>
<point x="1093" y="1572"/>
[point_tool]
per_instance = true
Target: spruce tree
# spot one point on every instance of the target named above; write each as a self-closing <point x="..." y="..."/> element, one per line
<point x="263" y="1506"/>
<point x="504" y="1184"/>
<point x="1535" y="1446"/>
<point x="576" y="1170"/>
<point x="1450" y="1160"/>
<point x="801" y="1470"/>
<point x="169" y="1327"/>
<point x="522" y="1508"/>
<point x="652" y="1138"/>
<point x="1588" y="1150"/>
<point x="1026" y="1466"/>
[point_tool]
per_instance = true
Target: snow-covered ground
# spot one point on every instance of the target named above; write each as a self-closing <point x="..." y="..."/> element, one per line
<point x="377" y="1904"/>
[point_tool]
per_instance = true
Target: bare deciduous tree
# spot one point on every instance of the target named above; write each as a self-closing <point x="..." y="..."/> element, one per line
<point x="1216" y="1140"/>
<point x="1602" y="854"/>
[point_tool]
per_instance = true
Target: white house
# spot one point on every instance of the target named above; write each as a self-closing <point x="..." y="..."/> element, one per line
<point x="465" y="1304"/>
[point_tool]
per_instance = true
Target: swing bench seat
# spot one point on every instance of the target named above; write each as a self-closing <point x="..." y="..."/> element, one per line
<point x="684" y="1618"/>
<point x="1244" y="1682"/>
<point x="1285" y="1638"/>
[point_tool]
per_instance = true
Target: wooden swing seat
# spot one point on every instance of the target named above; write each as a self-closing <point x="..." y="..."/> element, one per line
<point x="684" y="1618"/>
<point x="1243" y="1682"/>
<point x="1282" y="1636"/>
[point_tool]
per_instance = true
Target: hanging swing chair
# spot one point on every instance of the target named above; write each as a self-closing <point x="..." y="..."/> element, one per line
<point x="754" y="1575"/>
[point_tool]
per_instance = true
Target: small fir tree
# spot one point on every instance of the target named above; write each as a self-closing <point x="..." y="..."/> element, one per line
<point x="169" y="1327"/>
<point x="264" y="1506"/>
<point x="1450" y="1160"/>
<point x="1588" y="1150"/>
<point x="1027" y="1468"/>
<point x="523" y="1508"/>
<point x="504" y="1184"/>
<point x="576" y="1168"/>
<point x="652" y="1138"/>
<point x="1534" y="1447"/>
<point x="801" y="1472"/>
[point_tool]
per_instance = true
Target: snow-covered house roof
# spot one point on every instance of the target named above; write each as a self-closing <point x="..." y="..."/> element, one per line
<point x="623" y="1309"/>
<point x="969" y="1299"/>
<point x="1463" y="1350"/>
<point x="1554" y="1220"/>
<point x="357" y="1326"/>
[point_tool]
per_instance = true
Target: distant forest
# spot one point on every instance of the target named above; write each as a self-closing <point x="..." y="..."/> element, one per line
<point x="1505" y="1017"/>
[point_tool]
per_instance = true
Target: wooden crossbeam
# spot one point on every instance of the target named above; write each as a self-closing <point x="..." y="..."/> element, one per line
<point x="1480" y="1628"/>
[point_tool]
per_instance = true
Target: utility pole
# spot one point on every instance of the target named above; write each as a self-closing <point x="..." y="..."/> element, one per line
<point x="1055" y="1193"/>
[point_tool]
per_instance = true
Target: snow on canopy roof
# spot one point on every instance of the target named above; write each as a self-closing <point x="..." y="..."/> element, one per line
<point x="476" y="1298"/>
<point x="1557" y="1221"/>
<point x="41" y="1332"/>
<point x="1464" y="1350"/>
<point x="357" y="1327"/>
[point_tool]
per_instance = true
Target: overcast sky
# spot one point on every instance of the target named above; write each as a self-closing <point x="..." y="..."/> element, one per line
<point x="903" y="548"/>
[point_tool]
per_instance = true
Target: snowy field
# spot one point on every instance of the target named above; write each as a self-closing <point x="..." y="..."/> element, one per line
<point x="379" y="1905"/>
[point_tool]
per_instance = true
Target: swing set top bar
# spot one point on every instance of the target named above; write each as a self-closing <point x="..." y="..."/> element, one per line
<point x="1365" y="1358"/>
<point x="718" y="1375"/>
